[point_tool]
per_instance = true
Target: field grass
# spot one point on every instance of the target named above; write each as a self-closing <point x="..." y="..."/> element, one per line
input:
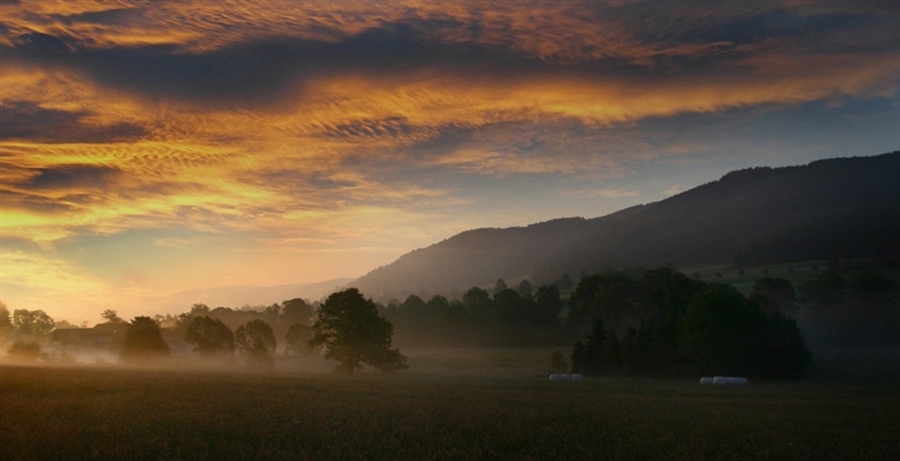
<point x="118" y="413"/>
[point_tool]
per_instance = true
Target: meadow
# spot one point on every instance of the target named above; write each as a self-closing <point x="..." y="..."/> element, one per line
<point x="110" y="412"/>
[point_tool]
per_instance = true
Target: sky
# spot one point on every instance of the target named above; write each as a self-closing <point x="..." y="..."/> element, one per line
<point x="149" y="148"/>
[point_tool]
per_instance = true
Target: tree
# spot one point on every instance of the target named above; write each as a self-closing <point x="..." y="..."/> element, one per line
<point x="143" y="341"/>
<point x="548" y="305"/>
<point x="611" y="296"/>
<point x="438" y="306"/>
<point x="296" y="338"/>
<point x="786" y="354"/>
<point x="564" y="283"/>
<point x="477" y="303"/>
<point x="412" y="309"/>
<point x="32" y="323"/>
<point x="723" y="332"/>
<point x="256" y="341"/>
<point x="273" y="312"/>
<point x="591" y="356"/>
<point x="499" y="286"/>
<point x="295" y="311"/>
<point x="111" y="316"/>
<point x="775" y="295"/>
<point x="824" y="290"/>
<point x="524" y="288"/>
<point x="874" y="289"/>
<point x="64" y="325"/>
<point x="209" y="336"/>
<point x="508" y="304"/>
<point x="349" y="326"/>
<point x="612" y="353"/>
<point x="199" y="309"/>
<point x="6" y="324"/>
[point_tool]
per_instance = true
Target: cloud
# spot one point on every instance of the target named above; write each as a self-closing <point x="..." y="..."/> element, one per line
<point x="45" y="273"/>
<point x="77" y="176"/>
<point x="683" y="46"/>
<point x="329" y="126"/>
<point x="26" y="120"/>
<point x="108" y="17"/>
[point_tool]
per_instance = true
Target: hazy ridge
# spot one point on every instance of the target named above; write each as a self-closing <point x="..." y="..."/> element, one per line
<point x="834" y="209"/>
<point x="236" y="296"/>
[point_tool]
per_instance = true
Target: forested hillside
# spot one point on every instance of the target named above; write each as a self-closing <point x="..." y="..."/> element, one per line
<point x="834" y="209"/>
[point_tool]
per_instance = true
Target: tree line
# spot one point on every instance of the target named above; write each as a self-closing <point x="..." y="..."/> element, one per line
<point x="667" y="323"/>
<point x="347" y="325"/>
<point x="656" y="321"/>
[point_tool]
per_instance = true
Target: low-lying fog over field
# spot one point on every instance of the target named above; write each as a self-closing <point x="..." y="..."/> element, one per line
<point x="127" y="413"/>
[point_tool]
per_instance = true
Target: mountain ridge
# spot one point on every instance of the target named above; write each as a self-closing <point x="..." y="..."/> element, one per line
<point x="832" y="208"/>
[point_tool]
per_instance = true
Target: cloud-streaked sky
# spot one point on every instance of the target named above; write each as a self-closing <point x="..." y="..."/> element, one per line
<point x="154" y="147"/>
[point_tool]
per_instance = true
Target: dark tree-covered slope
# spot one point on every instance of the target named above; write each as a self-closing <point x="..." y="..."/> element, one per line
<point x="475" y="257"/>
<point x="836" y="208"/>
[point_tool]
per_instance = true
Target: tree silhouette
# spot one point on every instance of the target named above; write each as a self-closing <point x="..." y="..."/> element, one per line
<point x="564" y="283"/>
<point x="775" y="295"/>
<point x="256" y="341"/>
<point x="5" y="319"/>
<point x="295" y="311"/>
<point x="499" y="286"/>
<point x="825" y="290"/>
<point x="32" y="323"/>
<point x="143" y="341"/>
<point x="296" y="338"/>
<point x="548" y="304"/>
<point x="723" y="332"/>
<point x="353" y="333"/>
<point x="210" y="336"/>
<point x="524" y="288"/>
<point x="477" y="303"/>
<point x="874" y="289"/>
<point x="786" y="354"/>
<point x="111" y="316"/>
<point x="591" y="356"/>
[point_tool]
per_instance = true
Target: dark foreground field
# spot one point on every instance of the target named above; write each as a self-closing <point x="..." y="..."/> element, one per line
<point x="115" y="413"/>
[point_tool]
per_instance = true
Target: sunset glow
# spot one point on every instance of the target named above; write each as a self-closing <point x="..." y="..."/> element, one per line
<point x="152" y="148"/>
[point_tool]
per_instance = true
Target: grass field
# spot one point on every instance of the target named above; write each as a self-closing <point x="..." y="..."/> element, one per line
<point x="118" y="413"/>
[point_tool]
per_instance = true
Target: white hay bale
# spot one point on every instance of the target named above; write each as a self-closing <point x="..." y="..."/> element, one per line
<point x="565" y="377"/>
<point x="706" y="380"/>
<point x="720" y="380"/>
<point x="577" y="376"/>
<point x="736" y="380"/>
<point x="554" y="377"/>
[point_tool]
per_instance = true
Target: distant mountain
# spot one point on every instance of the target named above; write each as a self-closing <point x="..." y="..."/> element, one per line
<point x="237" y="296"/>
<point x="829" y="209"/>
